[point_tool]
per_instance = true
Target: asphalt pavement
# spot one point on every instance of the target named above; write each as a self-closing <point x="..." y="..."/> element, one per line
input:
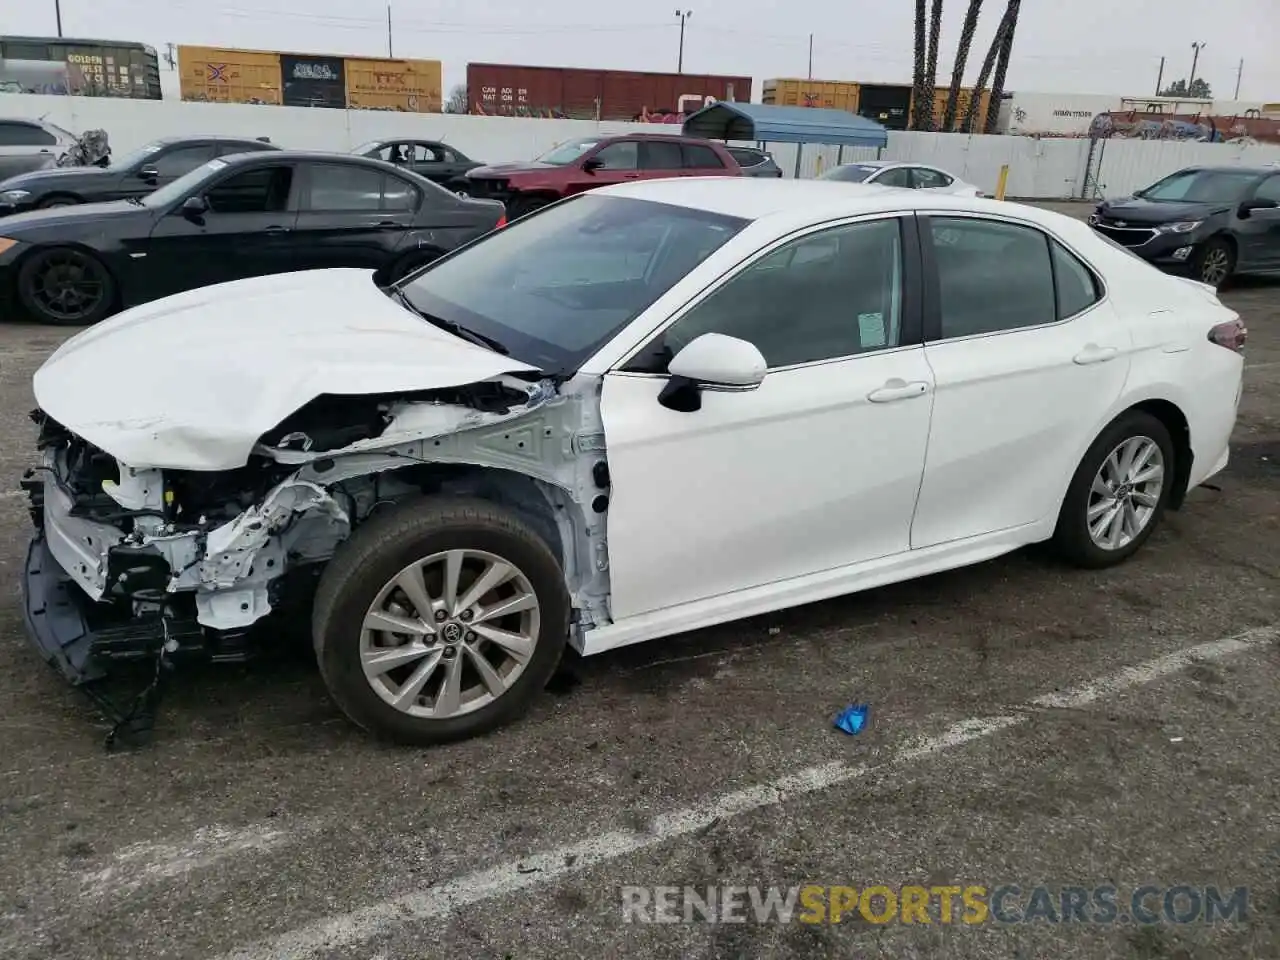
<point x="1030" y="725"/>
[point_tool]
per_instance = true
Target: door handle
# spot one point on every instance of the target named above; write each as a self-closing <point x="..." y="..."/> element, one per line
<point x="1093" y="353"/>
<point x="275" y="229"/>
<point x="898" y="390"/>
<point x="384" y="223"/>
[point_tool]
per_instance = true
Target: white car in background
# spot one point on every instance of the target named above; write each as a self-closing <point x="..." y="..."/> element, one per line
<point x="642" y="410"/>
<point x="911" y="176"/>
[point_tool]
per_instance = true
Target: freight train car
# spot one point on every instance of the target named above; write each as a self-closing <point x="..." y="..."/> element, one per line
<point x="887" y="104"/>
<point x="91" y="68"/>
<point x="410" y="86"/>
<point x="219" y="75"/>
<point x="309" y="80"/>
<point x="499" y="89"/>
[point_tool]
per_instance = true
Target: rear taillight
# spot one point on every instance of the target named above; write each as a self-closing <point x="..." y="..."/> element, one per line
<point x="502" y="222"/>
<point x="1231" y="335"/>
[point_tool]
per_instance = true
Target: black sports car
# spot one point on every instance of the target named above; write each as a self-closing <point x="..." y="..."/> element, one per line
<point x="157" y="164"/>
<point x="1209" y="223"/>
<point x="241" y="216"/>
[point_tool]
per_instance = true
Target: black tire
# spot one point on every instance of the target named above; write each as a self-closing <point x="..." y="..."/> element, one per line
<point x="1216" y="262"/>
<point x="47" y="271"/>
<point x="58" y="201"/>
<point x="523" y="206"/>
<point x="1072" y="537"/>
<point x="375" y="554"/>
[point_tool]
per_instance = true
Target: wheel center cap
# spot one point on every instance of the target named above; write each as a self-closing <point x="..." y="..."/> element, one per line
<point x="451" y="632"/>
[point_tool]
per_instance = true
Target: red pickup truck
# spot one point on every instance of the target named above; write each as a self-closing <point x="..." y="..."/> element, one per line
<point x="578" y="165"/>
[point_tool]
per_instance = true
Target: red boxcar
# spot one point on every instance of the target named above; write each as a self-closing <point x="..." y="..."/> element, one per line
<point x="500" y="89"/>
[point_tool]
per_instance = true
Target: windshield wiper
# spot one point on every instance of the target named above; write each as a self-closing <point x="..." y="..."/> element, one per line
<point x="455" y="328"/>
<point x="135" y="201"/>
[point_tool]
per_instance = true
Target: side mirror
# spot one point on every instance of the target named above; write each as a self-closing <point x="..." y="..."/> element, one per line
<point x="149" y="174"/>
<point x="193" y="208"/>
<point x="712" y="361"/>
<point x="592" y="164"/>
<point x="1257" y="203"/>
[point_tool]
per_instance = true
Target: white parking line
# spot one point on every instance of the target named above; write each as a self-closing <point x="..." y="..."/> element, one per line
<point x="442" y="900"/>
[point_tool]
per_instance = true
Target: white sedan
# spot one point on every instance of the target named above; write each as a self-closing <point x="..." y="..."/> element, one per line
<point x="898" y="173"/>
<point x="643" y="410"/>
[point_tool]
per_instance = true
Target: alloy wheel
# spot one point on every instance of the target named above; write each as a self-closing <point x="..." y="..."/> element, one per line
<point x="1125" y="493"/>
<point x="68" y="286"/>
<point x="1214" y="267"/>
<point x="449" y="634"/>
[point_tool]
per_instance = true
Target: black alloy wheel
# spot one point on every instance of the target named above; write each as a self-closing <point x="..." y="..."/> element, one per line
<point x="66" y="286"/>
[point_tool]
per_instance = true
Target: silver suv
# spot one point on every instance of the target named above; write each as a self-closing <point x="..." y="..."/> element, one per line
<point x="27" y="145"/>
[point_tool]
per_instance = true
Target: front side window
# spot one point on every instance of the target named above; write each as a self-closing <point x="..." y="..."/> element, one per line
<point x="826" y="295"/>
<point x="992" y="276"/>
<point x="176" y="163"/>
<point x="1269" y="189"/>
<point x="566" y="153"/>
<point x="1201" y="186"/>
<point x="850" y="172"/>
<point x="185" y="186"/>
<point x="623" y="155"/>
<point x="261" y="190"/>
<point x="25" y="135"/>
<point x="555" y="286"/>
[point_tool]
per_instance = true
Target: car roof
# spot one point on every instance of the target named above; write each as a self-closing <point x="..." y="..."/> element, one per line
<point x="212" y="138"/>
<point x="752" y="198"/>
<point x="1259" y="171"/>
<point x="327" y="156"/>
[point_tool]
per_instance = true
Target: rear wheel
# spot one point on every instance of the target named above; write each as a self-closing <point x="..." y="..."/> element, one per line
<point x="65" y="286"/>
<point x="1119" y="493"/>
<point x="440" y="620"/>
<point x="1216" y="262"/>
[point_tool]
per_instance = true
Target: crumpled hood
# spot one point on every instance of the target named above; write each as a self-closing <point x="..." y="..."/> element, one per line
<point x="192" y="381"/>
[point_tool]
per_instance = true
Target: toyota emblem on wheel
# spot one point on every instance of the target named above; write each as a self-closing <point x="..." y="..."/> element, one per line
<point x="452" y="633"/>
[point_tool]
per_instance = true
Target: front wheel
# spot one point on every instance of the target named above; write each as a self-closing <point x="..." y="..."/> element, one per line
<point x="1119" y="493"/>
<point x="440" y="620"/>
<point x="1215" y="263"/>
<point x="65" y="286"/>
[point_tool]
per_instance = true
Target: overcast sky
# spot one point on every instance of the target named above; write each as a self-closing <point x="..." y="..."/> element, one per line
<point x="1089" y="46"/>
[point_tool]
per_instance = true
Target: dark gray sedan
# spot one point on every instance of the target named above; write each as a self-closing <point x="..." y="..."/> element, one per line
<point x="432" y="159"/>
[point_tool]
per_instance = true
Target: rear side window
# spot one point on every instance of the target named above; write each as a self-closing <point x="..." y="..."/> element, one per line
<point x="25" y="135"/>
<point x="1076" y="286"/>
<point x="658" y="155"/>
<point x="746" y="156"/>
<point x="336" y="188"/>
<point x="698" y="157"/>
<point x="992" y="276"/>
<point x="175" y="163"/>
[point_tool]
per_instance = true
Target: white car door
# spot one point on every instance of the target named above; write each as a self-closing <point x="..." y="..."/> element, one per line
<point x="816" y="468"/>
<point x="1027" y="354"/>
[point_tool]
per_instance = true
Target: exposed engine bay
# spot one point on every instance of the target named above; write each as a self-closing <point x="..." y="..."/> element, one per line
<point x="168" y="557"/>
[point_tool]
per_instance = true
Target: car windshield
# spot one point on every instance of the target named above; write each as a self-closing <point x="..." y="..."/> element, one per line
<point x="137" y="157"/>
<point x="566" y="153"/>
<point x="555" y="286"/>
<point x="850" y="172"/>
<point x="1201" y="186"/>
<point x="172" y="192"/>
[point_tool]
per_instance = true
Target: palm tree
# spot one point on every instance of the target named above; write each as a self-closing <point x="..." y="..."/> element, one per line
<point x="917" y="80"/>
<point x="962" y="56"/>
<point x="931" y="63"/>
<point x="1002" y="67"/>
<point x="988" y="64"/>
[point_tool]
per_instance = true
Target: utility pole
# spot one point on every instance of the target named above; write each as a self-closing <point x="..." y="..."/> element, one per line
<point x="811" y="56"/>
<point x="1239" y="74"/>
<point x="1160" y="77"/>
<point x="389" y="53"/>
<point x="57" y="12"/>
<point x="683" y="15"/>
<point x="1195" y="58"/>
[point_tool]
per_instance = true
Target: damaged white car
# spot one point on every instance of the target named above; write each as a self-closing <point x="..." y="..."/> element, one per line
<point x="639" y="411"/>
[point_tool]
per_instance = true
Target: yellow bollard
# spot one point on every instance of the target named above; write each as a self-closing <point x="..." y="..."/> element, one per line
<point x="1002" y="182"/>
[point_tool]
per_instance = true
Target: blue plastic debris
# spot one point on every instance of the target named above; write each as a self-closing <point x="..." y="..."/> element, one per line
<point x="853" y="718"/>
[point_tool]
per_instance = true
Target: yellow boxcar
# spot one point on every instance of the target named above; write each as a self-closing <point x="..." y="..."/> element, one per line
<point x="220" y="75"/>
<point x="827" y="94"/>
<point x="411" y="86"/>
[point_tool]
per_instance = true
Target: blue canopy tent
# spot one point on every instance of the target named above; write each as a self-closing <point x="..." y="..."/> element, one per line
<point x="770" y="123"/>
